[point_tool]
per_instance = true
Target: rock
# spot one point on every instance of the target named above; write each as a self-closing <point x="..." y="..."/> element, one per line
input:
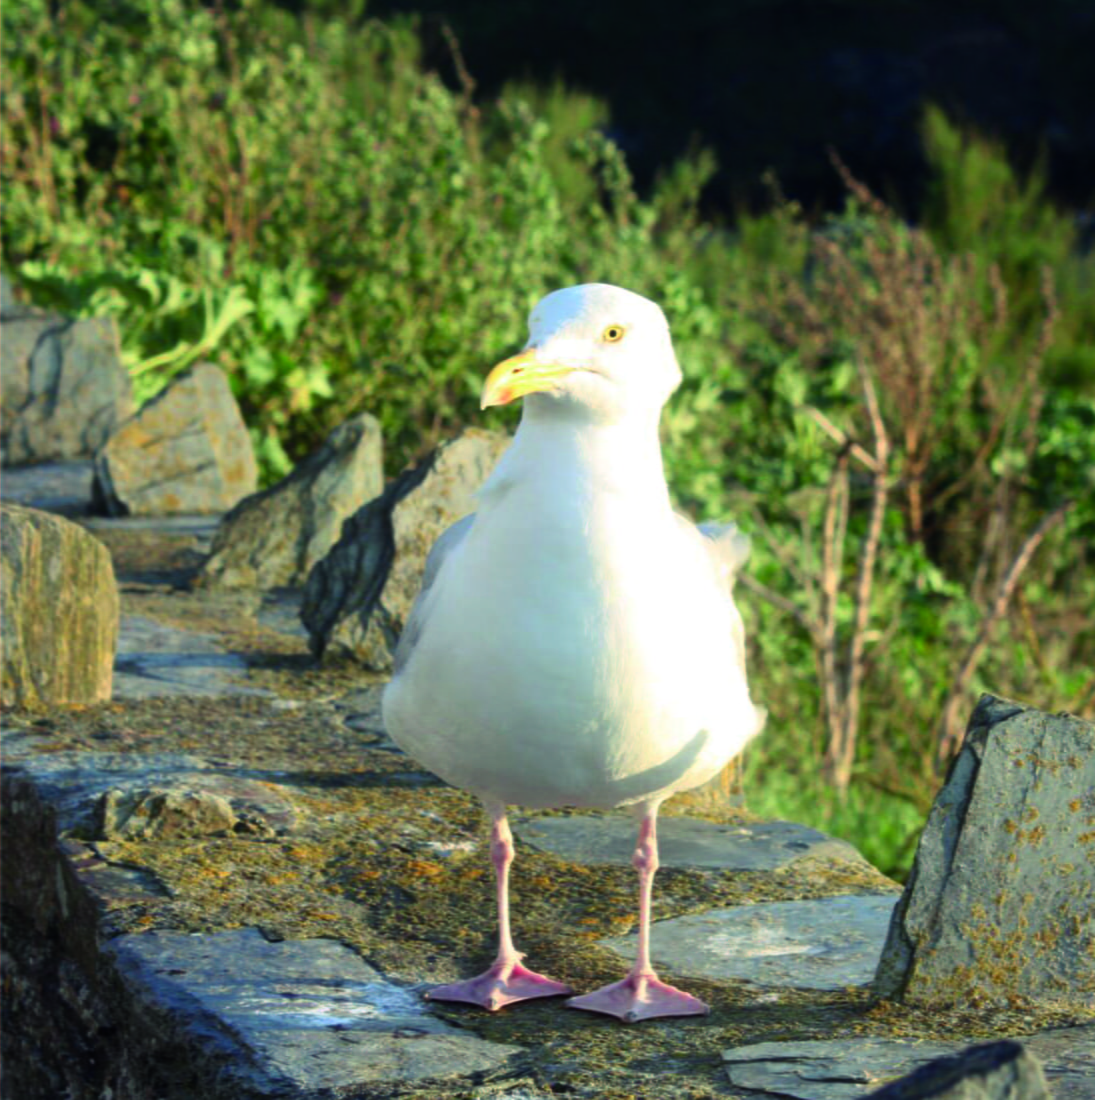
<point x="157" y="659"/>
<point x="990" y="1071"/>
<point x="684" y="842"/>
<point x="186" y="451"/>
<point x="827" y="943"/>
<point x="99" y="793"/>
<point x="64" y="488"/>
<point x="1000" y="904"/>
<point x="154" y="545"/>
<point x="272" y="539"/>
<point x="63" y="389"/>
<point x="155" y="814"/>
<point x="358" y="597"/>
<point x="1068" y="1057"/>
<point x="827" y="1069"/>
<point x="300" y="1018"/>
<point x="60" y="611"/>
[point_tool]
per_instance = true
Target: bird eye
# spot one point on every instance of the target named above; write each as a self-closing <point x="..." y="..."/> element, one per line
<point x="613" y="334"/>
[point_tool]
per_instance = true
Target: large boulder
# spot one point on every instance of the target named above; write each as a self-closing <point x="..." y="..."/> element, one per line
<point x="272" y="539"/>
<point x="359" y="596"/>
<point x="186" y="452"/>
<point x="1000" y="905"/>
<point x="63" y="388"/>
<point x="60" y="610"/>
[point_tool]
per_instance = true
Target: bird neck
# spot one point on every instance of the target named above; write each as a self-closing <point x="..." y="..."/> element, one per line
<point x="591" y="457"/>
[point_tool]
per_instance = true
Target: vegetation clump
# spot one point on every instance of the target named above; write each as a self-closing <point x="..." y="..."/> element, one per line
<point x="902" y="415"/>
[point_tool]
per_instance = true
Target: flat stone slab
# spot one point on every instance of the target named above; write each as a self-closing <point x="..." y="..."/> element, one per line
<point x="683" y="842"/>
<point x="142" y="545"/>
<point x="826" y="1069"/>
<point x="74" y="782"/>
<point x="823" y="943"/>
<point x="61" y="487"/>
<point x="157" y="659"/>
<point x="305" y="1015"/>
<point x="843" y="1069"/>
<point x="1068" y="1056"/>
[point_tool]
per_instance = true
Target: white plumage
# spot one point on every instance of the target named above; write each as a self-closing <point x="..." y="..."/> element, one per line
<point x="576" y="642"/>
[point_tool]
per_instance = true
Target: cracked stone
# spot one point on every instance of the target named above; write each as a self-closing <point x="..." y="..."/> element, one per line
<point x="63" y="389"/>
<point x="91" y="790"/>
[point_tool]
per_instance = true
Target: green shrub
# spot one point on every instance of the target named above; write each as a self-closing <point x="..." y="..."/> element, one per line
<point x="301" y="201"/>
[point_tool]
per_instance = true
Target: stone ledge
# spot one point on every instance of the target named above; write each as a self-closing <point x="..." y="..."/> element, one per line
<point x="376" y="875"/>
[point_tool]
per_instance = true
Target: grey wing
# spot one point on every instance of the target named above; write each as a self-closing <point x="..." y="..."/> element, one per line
<point x="726" y="544"/>
<point x="448" y="541"/>
<point x="728" y="548"/>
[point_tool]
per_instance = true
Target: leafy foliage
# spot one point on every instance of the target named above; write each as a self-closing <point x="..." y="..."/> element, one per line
<point x="299" y="199"/>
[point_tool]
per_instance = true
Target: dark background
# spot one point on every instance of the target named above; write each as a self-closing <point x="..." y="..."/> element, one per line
<point x="773" y="83"/>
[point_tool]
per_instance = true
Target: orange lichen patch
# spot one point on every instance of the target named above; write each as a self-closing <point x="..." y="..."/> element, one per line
<point x="424" y="867"/>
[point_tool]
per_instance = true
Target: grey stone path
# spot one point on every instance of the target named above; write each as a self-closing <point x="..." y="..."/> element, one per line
<point x="156" y="659"/>
<point x="844" y="1069"/>
<point x="827" y="943"/>
<point x="684" y="842"/>
<point x="311" y="1019"/>
<point x="827" y="1070"/>
<point x="307" y="1014"/>
<point x="61" y="487"/>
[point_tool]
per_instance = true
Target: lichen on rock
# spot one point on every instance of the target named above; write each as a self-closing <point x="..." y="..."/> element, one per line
<point x="60" y="611"/>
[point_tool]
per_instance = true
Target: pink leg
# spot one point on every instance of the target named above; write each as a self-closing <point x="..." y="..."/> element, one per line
<point x="641" y="995"/>
<point x="507" y="981"/>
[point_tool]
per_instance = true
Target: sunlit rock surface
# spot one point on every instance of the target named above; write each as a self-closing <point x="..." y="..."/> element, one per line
<point x="227" y="883"/>
<point x="186" y="451"/>
<point x="59" y="608"/>
<point x="272" y="539"/>
<point x="1001" y="900"/>
<point x="822" y="943"/>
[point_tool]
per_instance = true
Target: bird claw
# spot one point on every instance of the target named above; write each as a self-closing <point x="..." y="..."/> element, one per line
<point x="505" y="983"/>
<point x="640" y="997"/>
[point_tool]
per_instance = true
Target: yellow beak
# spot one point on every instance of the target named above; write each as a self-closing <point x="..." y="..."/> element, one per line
<point x="521" y="374"/>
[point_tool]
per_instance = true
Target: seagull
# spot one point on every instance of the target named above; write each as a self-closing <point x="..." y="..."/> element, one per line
<point x="575" y="641"/>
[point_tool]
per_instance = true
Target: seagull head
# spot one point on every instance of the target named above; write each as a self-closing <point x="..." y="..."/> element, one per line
<point x="597" y="351"/>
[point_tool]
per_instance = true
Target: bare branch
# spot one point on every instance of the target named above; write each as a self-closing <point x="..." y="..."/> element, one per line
<point x="947" y="732"/>
<point x="839" y="436"/>
<point x="776" y="600"/>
